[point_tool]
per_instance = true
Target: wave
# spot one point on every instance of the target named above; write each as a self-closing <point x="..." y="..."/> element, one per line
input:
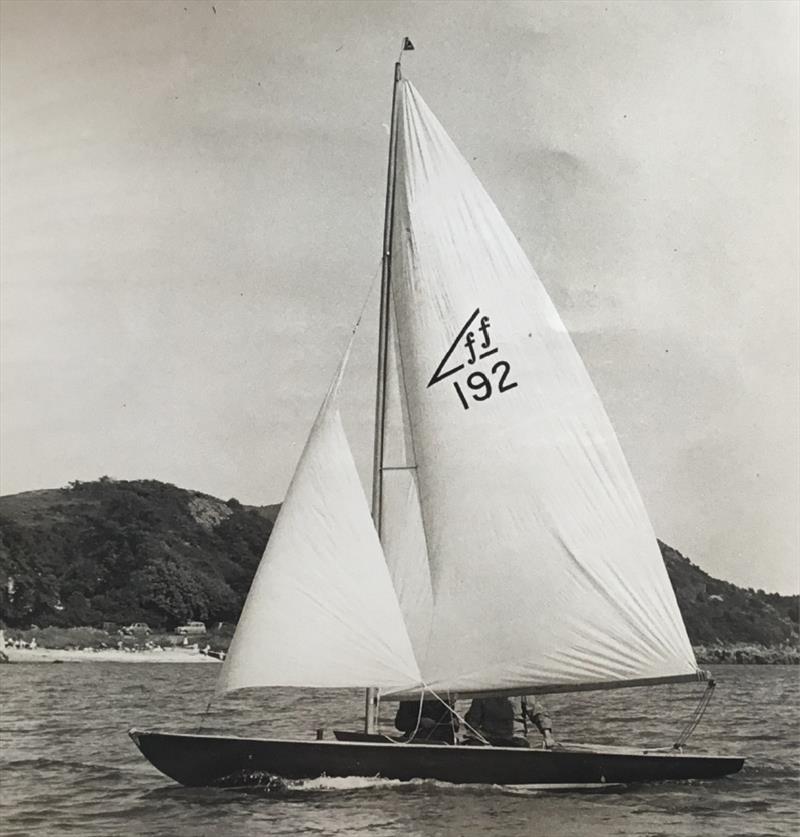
<point x="42" y="763"/>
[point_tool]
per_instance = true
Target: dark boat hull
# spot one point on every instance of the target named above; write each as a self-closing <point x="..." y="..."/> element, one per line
<point x="207" y="760"/>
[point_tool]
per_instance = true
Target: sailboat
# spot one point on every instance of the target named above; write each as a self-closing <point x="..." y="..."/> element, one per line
<point x="507" y="551"/>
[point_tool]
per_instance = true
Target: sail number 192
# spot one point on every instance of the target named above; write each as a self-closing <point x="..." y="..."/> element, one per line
<point x="480" y="385"/>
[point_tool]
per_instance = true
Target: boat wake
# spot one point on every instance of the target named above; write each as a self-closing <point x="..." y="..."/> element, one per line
<point x="265" y="783"/>
<point x="351" y="783"/>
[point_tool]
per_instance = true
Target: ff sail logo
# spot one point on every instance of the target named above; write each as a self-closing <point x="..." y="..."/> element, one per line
<point x="471" y="349"/>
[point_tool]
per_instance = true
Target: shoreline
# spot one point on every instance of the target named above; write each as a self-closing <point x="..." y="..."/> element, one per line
<point x="746" y="654"/>
<point x="106" y="655"/>
<point x="705" y="656"/>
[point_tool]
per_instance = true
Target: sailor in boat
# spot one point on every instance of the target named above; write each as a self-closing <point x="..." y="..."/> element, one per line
<point x="432" y="721"/>
<point x="503" y="721"/>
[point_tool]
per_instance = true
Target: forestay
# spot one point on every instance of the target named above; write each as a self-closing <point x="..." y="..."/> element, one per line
<point x="543" y="565"/>
<point x="322" y="610"/>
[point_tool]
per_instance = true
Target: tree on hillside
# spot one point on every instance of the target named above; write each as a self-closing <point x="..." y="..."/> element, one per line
<point x="129" y="551"/>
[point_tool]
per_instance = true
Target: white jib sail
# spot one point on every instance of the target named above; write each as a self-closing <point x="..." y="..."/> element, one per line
<point x="544" y="566"/>
<point x="322" y="610"/>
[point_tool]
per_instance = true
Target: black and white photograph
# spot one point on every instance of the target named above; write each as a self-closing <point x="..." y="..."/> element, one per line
<point x="400" y="418"/>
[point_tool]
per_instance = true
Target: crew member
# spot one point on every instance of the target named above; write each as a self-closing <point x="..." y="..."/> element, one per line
<point x="503" y="721"/>
<point x="434" y="722"/>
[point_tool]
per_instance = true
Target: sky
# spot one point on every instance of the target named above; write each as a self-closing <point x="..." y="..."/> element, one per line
<point x="192" y="204"/>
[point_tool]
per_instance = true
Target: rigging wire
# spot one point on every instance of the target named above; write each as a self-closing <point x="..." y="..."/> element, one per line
<point x="367" y="298"/>
<point x="451" y="709"/>
<point x="696" y="715"/>
<point x="204" y="715"/>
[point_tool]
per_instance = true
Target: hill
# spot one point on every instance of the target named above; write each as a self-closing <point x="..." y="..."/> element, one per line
<point x="720" y="613"/>
<point x="128" y="551"/>
<point x="117" y="551"/>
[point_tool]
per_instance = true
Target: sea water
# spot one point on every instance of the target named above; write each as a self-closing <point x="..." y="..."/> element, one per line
<point x="67" y="766"/>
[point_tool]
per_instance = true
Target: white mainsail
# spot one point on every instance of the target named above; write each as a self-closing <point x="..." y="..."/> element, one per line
<point x="543" y="565"/>
<point x="322" y="610"/>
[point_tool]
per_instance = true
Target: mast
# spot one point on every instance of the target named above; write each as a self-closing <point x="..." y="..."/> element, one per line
<point x="371" y="708"/>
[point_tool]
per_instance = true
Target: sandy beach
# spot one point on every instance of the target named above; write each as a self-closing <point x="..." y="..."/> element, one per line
<point x="106" y="655"/>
